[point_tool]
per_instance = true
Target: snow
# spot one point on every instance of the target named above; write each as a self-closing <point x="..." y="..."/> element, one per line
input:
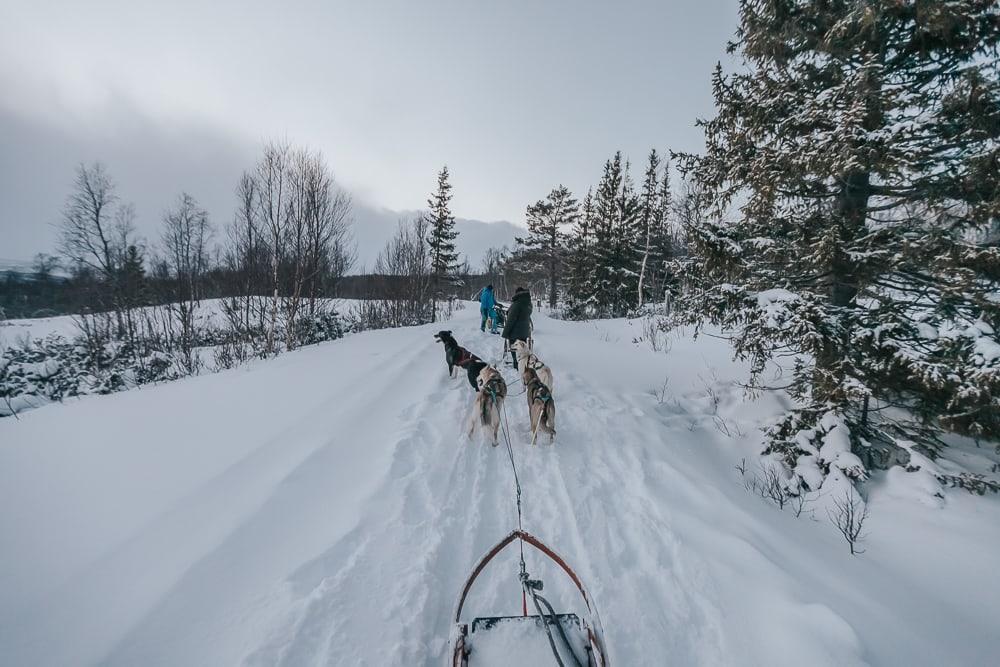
<point x="209" y="314"/>
<point x="324" y="507"/>
<point x="515" y="642"/>
<point x="776" y="295"/>
<point x="774" y="305"/>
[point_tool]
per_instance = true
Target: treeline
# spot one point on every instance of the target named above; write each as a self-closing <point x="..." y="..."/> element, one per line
<point x="271" y="275"/>
<point x="609" y="255"/>
<point x="843" y="222"/>
<point x="278" y="259"/>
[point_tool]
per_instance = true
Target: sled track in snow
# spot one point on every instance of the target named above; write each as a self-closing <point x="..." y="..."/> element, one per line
<point x="434" y="474"/>
<point x="446" y="499"/>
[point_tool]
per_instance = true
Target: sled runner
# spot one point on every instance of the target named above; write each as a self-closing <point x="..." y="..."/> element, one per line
<point x="541" y="638"/>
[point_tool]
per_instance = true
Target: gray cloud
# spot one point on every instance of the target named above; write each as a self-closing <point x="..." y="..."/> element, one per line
<point x="151" y="164"/>
<point x="514" y="96"/>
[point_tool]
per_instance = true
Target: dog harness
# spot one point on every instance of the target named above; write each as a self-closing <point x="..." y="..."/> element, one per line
<point x="494" y="387"/>
<point x="465" y="357"/>
<point x="542" y="394"/>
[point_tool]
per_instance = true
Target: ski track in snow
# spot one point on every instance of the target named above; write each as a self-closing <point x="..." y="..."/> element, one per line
<point x="344" y="537"/>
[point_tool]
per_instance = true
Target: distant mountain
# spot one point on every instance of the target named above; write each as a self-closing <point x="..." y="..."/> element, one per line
<point x="15" y="266"/>
<point x="374" y="226"/>
<point x="25" y="269"/>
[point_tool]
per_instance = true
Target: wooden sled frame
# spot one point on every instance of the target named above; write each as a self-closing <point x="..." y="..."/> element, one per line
<point x="595" y="633"/>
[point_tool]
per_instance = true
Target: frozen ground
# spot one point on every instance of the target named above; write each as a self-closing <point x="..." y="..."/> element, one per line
<point x="324" y="507"/>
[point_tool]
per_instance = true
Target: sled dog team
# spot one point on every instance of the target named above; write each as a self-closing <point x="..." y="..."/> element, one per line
<point x="488" y="382"/>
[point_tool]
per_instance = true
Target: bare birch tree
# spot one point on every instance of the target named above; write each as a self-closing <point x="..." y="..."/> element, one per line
<point x="185" y="236"/>
<point x="317" y="234"/>
<point x="272" y="208"/>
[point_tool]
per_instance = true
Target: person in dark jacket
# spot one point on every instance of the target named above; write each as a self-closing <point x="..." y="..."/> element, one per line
<point x="518" y="325"/>
<point x="486" y="304"/>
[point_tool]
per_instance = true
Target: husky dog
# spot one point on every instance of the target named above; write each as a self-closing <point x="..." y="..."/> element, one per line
<point x="489" y="401"/>
<point x="541" y="406"/>
<point x="528" y="359"/>
<point x="456" y="355"/>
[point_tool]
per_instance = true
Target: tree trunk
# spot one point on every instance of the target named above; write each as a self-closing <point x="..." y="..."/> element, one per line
<point x="842" y="286"/>
<point x="552" y="284"/>
<point x="274" y="300"/>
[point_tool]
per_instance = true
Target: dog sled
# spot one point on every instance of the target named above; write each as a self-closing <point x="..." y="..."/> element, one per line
<point x="500" y="314"/>
<point x="543" y="637"/>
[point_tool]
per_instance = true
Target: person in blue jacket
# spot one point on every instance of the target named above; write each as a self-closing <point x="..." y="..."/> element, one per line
<point x="486" y="303"/>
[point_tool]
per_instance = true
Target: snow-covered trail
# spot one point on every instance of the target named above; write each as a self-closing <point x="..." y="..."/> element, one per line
<point x="325" y="507"/>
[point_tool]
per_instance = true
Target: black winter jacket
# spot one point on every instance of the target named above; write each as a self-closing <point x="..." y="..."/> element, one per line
<point x="518" y="325"/>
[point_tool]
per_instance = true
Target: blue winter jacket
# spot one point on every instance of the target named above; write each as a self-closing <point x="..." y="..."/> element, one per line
<point x="486" y="300"/>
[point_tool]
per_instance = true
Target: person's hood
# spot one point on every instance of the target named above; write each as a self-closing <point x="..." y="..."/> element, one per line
<point x="522" y="295"/>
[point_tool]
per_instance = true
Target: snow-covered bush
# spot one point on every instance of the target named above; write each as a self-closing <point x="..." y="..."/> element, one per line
<point x="320" y="326"/>
<point x="54" y="368"/>
<point x="97" y="361"/>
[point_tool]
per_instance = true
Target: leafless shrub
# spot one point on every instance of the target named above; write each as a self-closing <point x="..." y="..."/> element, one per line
<point x="849" y="515"/>
<point x="768" y="484"/>
<point x="711" y="393"/>
<point x="727" y="428"/>
<point x="654" y="334"/>
<point x="772" y="488"/>
<point x="741" y="467"/>
<point x="800" y="502"/>
<point x="662" y="392"/>
<point x="604" y="335"/>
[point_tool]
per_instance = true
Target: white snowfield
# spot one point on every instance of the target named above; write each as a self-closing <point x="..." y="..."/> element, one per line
<point x="324" y="508"/>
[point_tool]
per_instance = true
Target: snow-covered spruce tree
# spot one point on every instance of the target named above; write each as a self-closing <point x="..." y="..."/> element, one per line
<point x="580" y="263"/>
<point x="648" y="222"/>
<point x="616" y="264"/>
<point x="543" y="249"/>
<point x="441" y="237"/>
<point x="861" y="143"/>
<point x="655" y="235"/>
<point x="665" y="244"/>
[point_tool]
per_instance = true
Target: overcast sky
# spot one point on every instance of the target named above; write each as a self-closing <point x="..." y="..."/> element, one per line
<point x="515" y="96"/>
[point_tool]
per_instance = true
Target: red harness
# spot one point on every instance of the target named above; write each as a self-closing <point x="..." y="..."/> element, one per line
<point x="464" y="357"/>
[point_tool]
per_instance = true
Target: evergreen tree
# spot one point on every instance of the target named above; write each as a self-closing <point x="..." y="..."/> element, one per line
<point x="580" y="270"/>
<point x="132" y="278"/>
<point x="543" y="250"/>
<point x="441" y="236"/>
<point x="616" y="211"/>
<point x="863" y="143"/>
<point x="649" y="224"/>
<point x="665" y="245"/>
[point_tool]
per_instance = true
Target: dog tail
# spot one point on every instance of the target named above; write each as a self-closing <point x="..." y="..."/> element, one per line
<point x="487" y="403"/>
<point x="548" y="416"/>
